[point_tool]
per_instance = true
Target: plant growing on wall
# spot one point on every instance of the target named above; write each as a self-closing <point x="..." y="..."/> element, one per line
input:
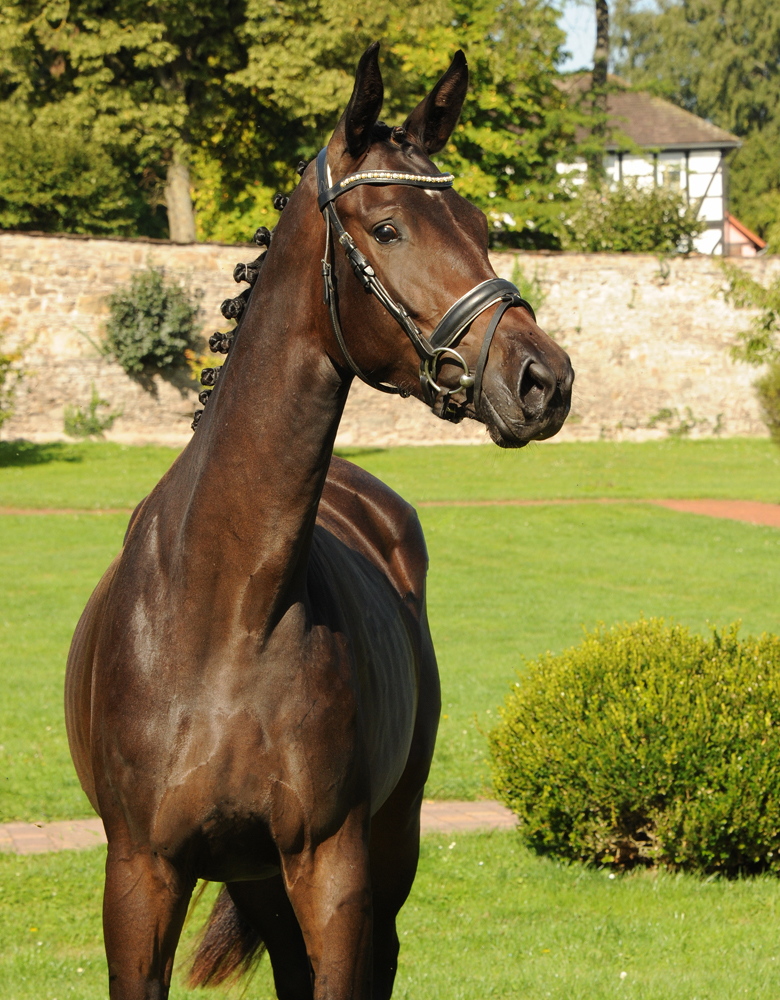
<point x="10" y="377"/>
<point x="84" y="422"/>
<point x="760" y="343"/>
<point x="152" y="323"/>
<point x="630" y="218"/>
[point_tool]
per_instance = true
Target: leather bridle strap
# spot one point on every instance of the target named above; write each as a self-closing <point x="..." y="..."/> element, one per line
<point x="452" y="325"/>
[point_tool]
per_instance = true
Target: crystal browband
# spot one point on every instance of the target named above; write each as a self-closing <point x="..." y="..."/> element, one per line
<point x="392" y="175"/>
<point x="385" y="177"/>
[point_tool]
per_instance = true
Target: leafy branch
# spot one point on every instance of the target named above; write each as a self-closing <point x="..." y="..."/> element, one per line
<point x="760" y="344"/>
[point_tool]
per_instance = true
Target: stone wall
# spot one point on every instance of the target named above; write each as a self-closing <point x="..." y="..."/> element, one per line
<point x="644" y="337"/>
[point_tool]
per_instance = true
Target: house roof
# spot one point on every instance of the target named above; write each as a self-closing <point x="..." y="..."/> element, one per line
<point x="652" y="122"/>
<point x="743" y="229"/>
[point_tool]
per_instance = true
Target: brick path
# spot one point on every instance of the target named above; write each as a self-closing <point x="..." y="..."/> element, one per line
<point x="34" y="838"/>
<point x="437" y="817"/>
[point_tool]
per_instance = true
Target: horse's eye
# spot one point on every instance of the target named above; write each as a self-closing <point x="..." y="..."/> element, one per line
<point x="385" y="233"/>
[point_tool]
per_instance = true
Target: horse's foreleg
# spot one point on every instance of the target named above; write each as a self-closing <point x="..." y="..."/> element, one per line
<point x="144" y="906"/>
<point x="329" y="888"/>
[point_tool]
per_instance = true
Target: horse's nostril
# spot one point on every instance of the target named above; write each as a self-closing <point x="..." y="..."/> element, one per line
<point x="537" y="385"/>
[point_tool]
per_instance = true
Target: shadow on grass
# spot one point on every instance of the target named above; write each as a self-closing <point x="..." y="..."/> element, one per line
<point x="352" y="451"/>
<point x="21" y="453"/>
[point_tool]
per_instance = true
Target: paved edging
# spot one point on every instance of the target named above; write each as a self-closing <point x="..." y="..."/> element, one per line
<point x="437" y="817"/>
<point x="40" y="838"/>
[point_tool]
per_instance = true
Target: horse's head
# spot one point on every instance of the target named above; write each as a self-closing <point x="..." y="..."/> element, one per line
<point x="439" y="324"/>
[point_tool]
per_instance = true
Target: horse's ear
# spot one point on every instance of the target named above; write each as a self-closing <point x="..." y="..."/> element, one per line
<point x="365" y="104"/>
<point x="433" y="120"/>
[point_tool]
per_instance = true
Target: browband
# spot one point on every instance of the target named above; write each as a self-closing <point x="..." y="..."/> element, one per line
<point x="452" y="325"/>
<point x="441" y="181"/>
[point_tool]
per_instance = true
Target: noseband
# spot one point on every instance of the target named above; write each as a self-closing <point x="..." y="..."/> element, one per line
<point x="453" y="324"/>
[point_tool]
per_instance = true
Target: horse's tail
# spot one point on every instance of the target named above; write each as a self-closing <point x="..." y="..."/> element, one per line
<point x="229" y="946"/>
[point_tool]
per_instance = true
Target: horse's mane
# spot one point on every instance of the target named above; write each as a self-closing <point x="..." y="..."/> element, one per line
<point x="220" y="341"/>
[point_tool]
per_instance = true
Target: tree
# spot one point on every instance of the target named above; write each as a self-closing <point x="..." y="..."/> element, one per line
<point x="226" y="98"/>
<point x="141" y="81"/>
<point x="719" y="59"/>
<point x="56" y="181"/>
<point x="599" y="88"/>
<point x="515" y="125"/>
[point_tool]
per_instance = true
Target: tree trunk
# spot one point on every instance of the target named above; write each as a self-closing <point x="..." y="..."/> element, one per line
<point x="599" y="91"/>
<point x="601" y="53"/>
<point x="181" y="215"/>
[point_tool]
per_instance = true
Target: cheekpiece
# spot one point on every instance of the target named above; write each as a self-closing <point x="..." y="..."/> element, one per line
<point x="441" y="346"/>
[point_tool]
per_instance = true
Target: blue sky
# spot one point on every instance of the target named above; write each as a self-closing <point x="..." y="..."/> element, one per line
<point x="578" y="20"/>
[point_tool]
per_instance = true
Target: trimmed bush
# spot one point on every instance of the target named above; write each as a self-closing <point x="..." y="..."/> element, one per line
<point x="152" y="323"/>
<point x="647" y="744"/>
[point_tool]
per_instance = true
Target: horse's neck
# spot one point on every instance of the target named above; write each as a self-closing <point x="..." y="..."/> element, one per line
<point x="254" y="478"/>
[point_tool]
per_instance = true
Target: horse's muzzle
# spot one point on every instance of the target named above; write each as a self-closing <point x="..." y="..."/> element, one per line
<point x="532" y="405"/>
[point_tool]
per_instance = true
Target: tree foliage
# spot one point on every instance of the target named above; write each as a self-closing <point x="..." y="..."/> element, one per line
<point x="515" y="124"/>
<point x="719" y="59"/>
<point x="245" y="88"/>
<point x="760" y="344"/>
<point x="139" y="81"/>
<point x="56" y="181"/>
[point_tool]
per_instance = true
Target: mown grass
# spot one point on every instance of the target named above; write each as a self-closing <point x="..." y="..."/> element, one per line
<point x="485" y="919"/>
<point x="49" y="566"/>
<point x="96" y="475"/>
<point x="737" y="468"/>
<point x="505" y="583"/>
<point x="91" y="475"/>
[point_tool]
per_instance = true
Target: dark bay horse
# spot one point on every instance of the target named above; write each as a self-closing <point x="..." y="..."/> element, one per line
<point x="252" y="694"/>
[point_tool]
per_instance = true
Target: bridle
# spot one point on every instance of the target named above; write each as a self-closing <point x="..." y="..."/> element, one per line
<point x="453" y="324"/>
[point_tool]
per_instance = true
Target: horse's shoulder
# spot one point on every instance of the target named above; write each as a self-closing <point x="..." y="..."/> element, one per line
<point x="367" y="515"/>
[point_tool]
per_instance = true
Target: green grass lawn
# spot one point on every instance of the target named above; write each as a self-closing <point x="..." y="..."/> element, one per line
<point x="505" y="583"/>
<point x="94" y="475"/>
<point x="90" y="475"/>
<point x="49" y="566"/>
<point x="485" y="919"/>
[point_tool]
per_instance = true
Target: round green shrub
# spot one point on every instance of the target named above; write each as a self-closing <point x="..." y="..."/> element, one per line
<point x="630" y="218"/>
<point x="152" y="323"/>
<point x="647" y="744"/>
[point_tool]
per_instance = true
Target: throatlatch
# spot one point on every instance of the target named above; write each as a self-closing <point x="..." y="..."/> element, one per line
<point x="450" y="328"/>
